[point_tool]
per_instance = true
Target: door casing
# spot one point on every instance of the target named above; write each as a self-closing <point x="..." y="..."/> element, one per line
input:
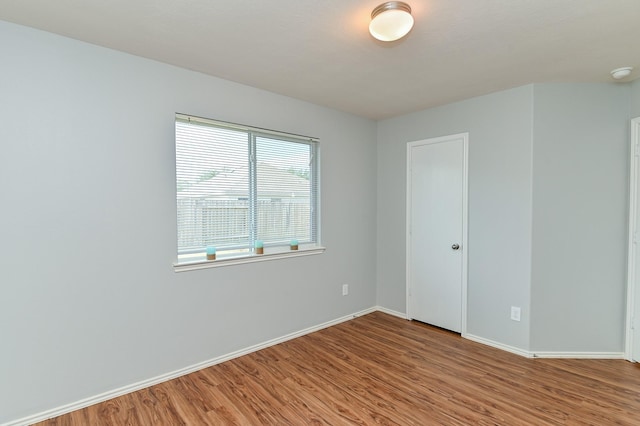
<point x="633" y="262"/>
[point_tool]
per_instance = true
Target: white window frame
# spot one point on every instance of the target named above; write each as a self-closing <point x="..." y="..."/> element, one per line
<point x="270" y="252"/>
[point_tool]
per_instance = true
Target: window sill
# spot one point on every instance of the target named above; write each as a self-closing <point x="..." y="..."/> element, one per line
<point x="238" y="260"/>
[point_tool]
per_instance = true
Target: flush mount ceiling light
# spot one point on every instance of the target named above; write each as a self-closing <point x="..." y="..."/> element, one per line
<point x="619" y="73"/>
<point x="391" y="21"/>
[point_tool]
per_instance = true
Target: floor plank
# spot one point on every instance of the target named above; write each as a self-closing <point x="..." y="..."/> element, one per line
<point x="379" y="369"/>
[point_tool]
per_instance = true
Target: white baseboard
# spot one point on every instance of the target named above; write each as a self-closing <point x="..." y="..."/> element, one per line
<point x="579" y="355"/>
<point x="499" y="345"/>
<point x="537" y="354"/>
<point x="391" y="312"/>
<point x="55" y="412"/>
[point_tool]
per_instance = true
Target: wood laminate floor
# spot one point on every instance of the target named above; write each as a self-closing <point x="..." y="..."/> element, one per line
<point x="378" y="369"/>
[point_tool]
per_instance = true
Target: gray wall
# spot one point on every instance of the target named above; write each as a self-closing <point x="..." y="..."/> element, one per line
<point x="89" y="300"/>
<point x="635" y="98"/>
<point x="548" y="179"/>
<point x="580" y="191"/>
<point x="500" y="144"/>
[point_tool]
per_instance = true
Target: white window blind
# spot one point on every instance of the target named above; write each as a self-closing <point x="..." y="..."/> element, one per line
<point x="236" y="185"/>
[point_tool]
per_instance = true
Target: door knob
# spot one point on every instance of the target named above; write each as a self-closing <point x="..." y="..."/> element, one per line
<point x="455" y="246"/>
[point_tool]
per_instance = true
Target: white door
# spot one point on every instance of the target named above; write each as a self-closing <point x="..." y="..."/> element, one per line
<point x="436" y="231"/>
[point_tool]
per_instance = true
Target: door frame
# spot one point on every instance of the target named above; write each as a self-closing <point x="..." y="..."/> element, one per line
<point x="632" y="267"/>
<point x="465" y="196"/>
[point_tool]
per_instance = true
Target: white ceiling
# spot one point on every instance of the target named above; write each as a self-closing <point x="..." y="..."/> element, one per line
<point x="320" y="50"/>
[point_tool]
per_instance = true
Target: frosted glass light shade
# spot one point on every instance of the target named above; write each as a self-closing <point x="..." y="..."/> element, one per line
<point x="619" y="73"/>
<point x="391" y="21"/>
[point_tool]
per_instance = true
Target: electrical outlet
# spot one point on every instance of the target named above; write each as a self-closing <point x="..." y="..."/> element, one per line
<point x="345" y="289"/>
<point x="515" y="313"/>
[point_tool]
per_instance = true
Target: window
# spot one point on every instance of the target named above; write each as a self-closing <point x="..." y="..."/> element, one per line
<point x="238" y="187"/>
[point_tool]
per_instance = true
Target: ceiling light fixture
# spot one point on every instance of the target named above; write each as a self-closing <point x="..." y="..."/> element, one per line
<point x="619" y="73"/>
<point x="391" y="21"/>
